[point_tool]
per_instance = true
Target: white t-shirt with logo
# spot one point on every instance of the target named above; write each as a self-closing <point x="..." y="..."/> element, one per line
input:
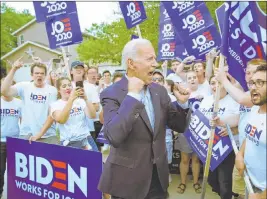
<point x="35" y="107"/>
<point x="76" y="128"/>
<point x="227" y="106"/>
<point x="255" y="151"/>
<point x="244" y="113"/>
<point x="205" y="88"/>
<point x="10" y="115"/>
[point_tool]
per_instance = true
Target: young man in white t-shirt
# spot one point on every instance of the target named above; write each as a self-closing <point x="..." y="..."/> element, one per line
<point x="252" y="155"/>
<point x="10" y="115"/>
<point x="203" y="84"/>
<point x="36" y="97"/>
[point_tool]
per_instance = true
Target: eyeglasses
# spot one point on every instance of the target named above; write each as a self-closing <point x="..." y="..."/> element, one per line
<point x="159" y="79"/>
<point x="258" y="83"/>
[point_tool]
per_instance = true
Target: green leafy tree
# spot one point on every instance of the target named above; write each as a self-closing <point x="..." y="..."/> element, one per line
<point x="11" y="20"/>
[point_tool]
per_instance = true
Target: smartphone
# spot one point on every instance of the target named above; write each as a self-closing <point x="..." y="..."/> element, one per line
<point x="79" y="84"/>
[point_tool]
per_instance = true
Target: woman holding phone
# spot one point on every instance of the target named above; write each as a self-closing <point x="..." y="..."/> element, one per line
<point x="70" y="111"/>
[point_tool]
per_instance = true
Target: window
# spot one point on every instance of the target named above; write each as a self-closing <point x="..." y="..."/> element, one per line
<point x="21" y="38"/>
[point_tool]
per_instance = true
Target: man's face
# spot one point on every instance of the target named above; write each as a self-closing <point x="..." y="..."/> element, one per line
<point x="258" y="92"/>
<point x="107" y="78"/>
<point x="144" y="63"/>
<point x="199" y="68"/>
<point x="78" y="72"/>
<point x="158" y="79"/>
<point x="92" y="75"/>
<point x="175" y="65"/>
<point x="250" y="70"/>
<point x="38" y="76"/>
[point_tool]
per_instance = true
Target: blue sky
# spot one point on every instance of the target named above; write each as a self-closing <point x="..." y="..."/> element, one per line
<point x="88" y="12"/>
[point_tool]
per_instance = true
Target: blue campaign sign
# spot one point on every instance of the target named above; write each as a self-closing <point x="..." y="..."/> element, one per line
<point x="169" y="45"/>
<point x="220" y="12"/>
<point x="190" y="21"/>
<point x="194" y="103"/>
<point x="198" y="135"/>
<point x="243" y="37"/>
<point x="178" y="8"/>
<point x="44" y="10"/>
<point x="134" y="37"/>
<point x="133" y="12"/>
<point x="199" y="44"/>
<point x="40" y="170"/>
<point x="63" y="30"/>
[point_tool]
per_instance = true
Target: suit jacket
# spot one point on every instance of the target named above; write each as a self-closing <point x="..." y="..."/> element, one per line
<point x="135" y="147"/>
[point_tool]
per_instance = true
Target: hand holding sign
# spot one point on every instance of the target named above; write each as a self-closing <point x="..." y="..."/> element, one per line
<point x="189" y="59"/>
<point x="212" y="54"/>
<point x="239" y="163"/>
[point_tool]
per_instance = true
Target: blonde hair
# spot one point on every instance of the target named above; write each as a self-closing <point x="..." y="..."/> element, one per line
<point x="257" y="62"/>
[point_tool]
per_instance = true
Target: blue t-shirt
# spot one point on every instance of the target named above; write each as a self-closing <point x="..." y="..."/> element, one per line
<point x="10" y="115"/>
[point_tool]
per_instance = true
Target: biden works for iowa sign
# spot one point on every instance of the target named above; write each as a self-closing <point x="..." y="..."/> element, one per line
<point x="40" y="170"/>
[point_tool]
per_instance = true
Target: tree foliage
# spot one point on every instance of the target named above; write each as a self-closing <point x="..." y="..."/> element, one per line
<point x="11" y="20"/>
<point x="110" y="38"/>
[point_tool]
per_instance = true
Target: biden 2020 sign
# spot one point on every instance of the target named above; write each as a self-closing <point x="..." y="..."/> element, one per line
<point x="40" y="170"/>
<point x="63" y="30"/>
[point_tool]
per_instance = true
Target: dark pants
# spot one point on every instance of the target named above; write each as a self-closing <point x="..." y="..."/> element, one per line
<point x="2" y="166"/>
<point x="95" y="133"/>
<point x="155" y="190"/>
<point x="221" y="179"/>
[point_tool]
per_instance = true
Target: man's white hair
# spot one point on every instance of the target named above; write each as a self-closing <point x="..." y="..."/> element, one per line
<point x="130" y="50"/>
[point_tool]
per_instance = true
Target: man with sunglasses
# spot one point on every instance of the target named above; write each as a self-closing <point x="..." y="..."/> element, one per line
<point x="252" y="155"/>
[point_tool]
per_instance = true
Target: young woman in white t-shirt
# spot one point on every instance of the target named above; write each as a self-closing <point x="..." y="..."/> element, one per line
<point x="221" y="178"/>
<point x="70" y="111"/>
<point x="186" y="150"/>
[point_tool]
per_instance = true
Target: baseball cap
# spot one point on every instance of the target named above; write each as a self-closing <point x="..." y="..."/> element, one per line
<point x="77" y="63"/>
<point x="157" y="71"/>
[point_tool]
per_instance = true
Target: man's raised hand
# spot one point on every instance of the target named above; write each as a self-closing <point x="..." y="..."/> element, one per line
<point x="135" y="85"/>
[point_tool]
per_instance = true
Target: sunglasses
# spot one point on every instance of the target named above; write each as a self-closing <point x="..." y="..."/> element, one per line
<point x="155" y="79"/>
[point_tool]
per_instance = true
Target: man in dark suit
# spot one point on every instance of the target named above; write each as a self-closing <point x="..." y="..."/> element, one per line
<point x="136" y="112"/>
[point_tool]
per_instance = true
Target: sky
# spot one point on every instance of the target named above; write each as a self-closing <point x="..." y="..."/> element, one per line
<point x="88" y="12"/>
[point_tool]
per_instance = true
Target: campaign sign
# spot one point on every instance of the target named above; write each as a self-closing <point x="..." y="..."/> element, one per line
<point x="198" y="135"/>
<point x="242" y="38"/>
<point x="133" y="12"/>
<point x="101" y="137"/>
<point x="169" y="45"/>
<point x="44" y="10"/>
<point x="63" y="30"/>
<point x="49" y="171"/>
<point x="192" y="21"/>
<point x="134" y="37"/>
<point x="178" y="8"/>
<point x="194" y="103"/>
<point x="220" y="12"/>
<point x="201" y="43"/>
<point x="167" y="50"/>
